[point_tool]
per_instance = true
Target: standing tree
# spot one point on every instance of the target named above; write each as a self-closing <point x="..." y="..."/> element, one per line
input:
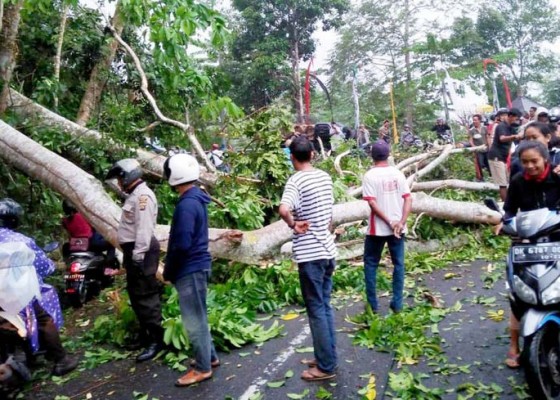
<point x="8" y="45"/>
<point x="284" y="28"/>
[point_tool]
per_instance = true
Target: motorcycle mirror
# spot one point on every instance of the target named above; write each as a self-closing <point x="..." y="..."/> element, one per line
<point x="492" y="204"/>
<point x="49" y="248"/>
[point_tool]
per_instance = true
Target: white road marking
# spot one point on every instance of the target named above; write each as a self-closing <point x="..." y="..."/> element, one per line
<point x="276" y="363"/>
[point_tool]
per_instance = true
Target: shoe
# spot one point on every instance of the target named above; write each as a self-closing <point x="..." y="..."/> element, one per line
<point x="512" y="360"/>
<point x="395" y="310"/>
<point x="192" y="377"/>
<point x="314" y="374"/>
<point x="64" y="366"/>
<point x="214" y="364"/>
<point x="150" y="352"/>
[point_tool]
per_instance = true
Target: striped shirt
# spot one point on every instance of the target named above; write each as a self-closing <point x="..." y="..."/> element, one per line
<point x="309" y="194"/>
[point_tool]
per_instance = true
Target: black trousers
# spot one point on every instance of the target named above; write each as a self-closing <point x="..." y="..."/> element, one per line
<point x="144" y="291"/>
<point x="49" y="338"/>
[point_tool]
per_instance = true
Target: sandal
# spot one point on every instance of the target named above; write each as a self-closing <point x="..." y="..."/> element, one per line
<point x="192" y="377"/>
<point x="512" y="360"/>
<point x="314" y="374"/>
<point x="310" y="362"/>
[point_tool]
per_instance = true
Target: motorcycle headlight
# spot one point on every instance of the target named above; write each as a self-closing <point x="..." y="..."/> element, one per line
<point x="523" y="291"/>
<point x="551" y="294"/>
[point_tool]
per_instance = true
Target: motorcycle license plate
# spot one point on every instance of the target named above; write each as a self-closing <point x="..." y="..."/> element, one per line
<point x="536" y="253"/>
<point x="75" y="277"/>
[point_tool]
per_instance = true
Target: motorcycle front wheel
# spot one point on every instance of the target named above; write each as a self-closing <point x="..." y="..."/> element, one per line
<point x="542" y="366"/>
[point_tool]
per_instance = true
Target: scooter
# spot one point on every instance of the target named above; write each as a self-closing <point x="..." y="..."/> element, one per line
<point x="85" y="272"/>
<point x="533" y="278"/>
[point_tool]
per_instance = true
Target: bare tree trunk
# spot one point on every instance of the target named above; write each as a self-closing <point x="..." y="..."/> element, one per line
<point x="92" y="96"/>
<point x="297" y="82"/>
<point x="59" y="42"/>
<point x="8" y="49"/>
<point x="247" y="247"/>
<point x="408" y="83"/>
<point x="27" y="109"/>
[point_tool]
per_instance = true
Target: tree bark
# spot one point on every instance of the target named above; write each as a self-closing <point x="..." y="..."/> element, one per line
<point x="59" y="42"/>
<point x="8" y="49"/>
<point x="92" y="95"/>
<point x="247" y="247"/>
<point x="453" y="184"/>
<point x="27" y="109"/>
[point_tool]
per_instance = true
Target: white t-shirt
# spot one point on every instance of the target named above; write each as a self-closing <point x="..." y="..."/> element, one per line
<point x="216" y="157"/>
<point x="387" y="185"/>
<point x="309" y="194"/>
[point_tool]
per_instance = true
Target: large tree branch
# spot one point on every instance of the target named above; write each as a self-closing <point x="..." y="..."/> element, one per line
<point x="454" y="184"/>
<point x="39" y="115"/>
<point x="431" y="166"/>
<point x="144" y="88"/>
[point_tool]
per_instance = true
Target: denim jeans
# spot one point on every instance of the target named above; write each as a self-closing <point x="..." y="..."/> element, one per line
<point x="192" y="302"/>
<point x="372" y="254"/>
<point x="315" y="278"/>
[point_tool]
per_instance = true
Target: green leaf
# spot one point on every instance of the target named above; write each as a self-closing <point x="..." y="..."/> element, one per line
<point x="305" y="350"/>
<point x="275" y="384"/>
<point x="297" y="396"/>
<point x="289" y="374"/>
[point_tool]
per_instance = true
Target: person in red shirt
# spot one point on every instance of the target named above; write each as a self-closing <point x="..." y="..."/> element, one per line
<point x="78" y="227"/>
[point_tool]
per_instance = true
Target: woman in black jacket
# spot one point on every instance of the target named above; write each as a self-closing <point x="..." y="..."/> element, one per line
<point x="536" y="186"/>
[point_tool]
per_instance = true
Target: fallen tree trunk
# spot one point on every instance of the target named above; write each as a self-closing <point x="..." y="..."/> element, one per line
<point x="453" y="184"/>
<point x="27" y="109"/>
<point x="247" y="247"/>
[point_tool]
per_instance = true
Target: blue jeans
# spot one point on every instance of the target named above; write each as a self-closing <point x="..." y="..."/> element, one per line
<point x="192" y="302"/>
<point x="315" y="278"/>
<point x="372" y="254"/>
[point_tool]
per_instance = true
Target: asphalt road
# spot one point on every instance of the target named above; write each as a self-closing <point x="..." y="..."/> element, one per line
<point x="471" y="341"/>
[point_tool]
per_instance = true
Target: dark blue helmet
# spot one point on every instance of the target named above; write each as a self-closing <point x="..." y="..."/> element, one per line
<point x="10" y="213"/>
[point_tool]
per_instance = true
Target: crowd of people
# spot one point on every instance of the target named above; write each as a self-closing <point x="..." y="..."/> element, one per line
<point x="528" y="150"/>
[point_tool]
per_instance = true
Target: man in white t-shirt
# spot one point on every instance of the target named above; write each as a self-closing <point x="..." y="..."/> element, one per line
<point x="306" y="207"/>
<point x="388" y="195"/>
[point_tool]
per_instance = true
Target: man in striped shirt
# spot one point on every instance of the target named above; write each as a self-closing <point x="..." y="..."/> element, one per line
<point x="388" y="195"/>
<point x="306" y="207"/>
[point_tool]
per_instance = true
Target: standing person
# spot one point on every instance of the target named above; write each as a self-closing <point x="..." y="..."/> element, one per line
<point x="140" y="253"/>
<point x="388" y="195"/>
<point x="477" y="137"/>
<point x="43" y="315"/>
<point x="532" y="113"/>
<point x="362" y="136"/>
<point x="216" y="157"/>
<point x="498" y="154"/>
<point x="537" y="186"/>
<point x="385" y="132"/>
<point x="442" y="130"/>
<point x="407" y="137"/>
<point x="306" y="207"/>
<point x="188" y="263"/>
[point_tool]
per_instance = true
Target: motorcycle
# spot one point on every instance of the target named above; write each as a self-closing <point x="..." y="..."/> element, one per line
<point x="86" y="272"/>
<point x="412" y="141"/>
<point x="15" y="351"/>
<point x="533" y="279"/>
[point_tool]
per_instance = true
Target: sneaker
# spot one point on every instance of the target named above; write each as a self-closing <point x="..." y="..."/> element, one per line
<point x="192" y="377"/>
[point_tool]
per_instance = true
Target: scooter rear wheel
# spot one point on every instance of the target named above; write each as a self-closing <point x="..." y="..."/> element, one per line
<point x="542" y="366"/>
<point x="6" y="373"/>
<point x="77" y="300"/>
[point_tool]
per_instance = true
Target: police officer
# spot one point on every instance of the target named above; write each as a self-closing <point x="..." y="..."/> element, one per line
<point x="140" y="253"/>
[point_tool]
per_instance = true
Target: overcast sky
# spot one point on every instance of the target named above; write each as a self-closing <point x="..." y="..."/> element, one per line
<point x="325" y="40"/>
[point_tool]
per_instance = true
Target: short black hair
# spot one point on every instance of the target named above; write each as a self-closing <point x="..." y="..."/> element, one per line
<point x="534" y="145"/>
<point x="514" y="112"/>
<point x="477" y="116"/>
<point x="533" y="108"/>
<point x="301" y="148"/>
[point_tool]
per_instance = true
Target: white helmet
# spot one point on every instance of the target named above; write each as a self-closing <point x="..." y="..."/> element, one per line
<point x="181" y="168"/>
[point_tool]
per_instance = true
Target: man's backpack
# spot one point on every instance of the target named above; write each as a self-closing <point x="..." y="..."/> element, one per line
<point x="323" y="132"/>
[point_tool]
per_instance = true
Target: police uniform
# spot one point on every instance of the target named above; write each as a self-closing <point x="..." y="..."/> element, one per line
<point x="141" y="259"/>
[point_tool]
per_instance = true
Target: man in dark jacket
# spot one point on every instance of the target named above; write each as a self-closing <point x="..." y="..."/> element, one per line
<point x="188" y="263"/>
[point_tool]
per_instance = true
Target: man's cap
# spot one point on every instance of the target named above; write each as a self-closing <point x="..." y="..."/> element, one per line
<point x="380" y="150"/>
<point x="515" y="112"/>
